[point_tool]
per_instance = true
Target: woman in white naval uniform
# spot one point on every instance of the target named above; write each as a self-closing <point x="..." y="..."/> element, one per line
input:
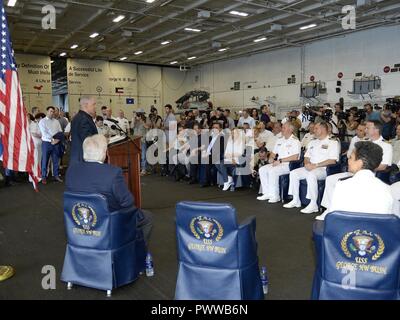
<point x="373" y="133"/>
<point x="286" y="149"/>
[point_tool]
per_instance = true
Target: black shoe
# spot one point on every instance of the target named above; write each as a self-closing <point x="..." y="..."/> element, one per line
<point x="192" y="181"/>
<point x="204" y="185"/>
<point x="58" y="179"/>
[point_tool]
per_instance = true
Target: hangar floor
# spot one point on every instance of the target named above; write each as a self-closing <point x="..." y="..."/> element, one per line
<point x="32" y="236"/>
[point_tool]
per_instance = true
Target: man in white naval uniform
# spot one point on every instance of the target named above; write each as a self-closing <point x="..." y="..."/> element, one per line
<point x="286" y="149"/>
<point x="360" y="136"/>
<point x="321" y="152"/>
<point x="363" y="192"/>
<point x="373" y="133"/>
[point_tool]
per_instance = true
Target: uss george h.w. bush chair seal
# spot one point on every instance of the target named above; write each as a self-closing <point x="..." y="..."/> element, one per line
<point x="217" y="257"/>
<point x="358" y="257"/>
<point x="104" y="249"/>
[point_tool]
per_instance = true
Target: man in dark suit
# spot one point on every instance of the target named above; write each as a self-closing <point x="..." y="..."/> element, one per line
<point x="82" y="126"/>
<point x="94" y="176"/>
<point x="212" y="155"/>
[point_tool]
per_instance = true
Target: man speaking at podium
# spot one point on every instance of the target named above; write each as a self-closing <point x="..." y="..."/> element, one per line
<point x="82" y="126"/>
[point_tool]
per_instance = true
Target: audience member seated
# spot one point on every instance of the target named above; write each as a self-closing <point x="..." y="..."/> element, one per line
<point x="321" y="152"/>
<point x="286" y="149"/>
<point x="234" y="152"/>
<point x="363" y="192"/>
<point x="94" y="176"/>
<point x="260" y="160"/>
<point x="277" y="133"/>
<point x="373" y="133"/>
<point x="246" y="118"/>
<point x="262" y="136"/>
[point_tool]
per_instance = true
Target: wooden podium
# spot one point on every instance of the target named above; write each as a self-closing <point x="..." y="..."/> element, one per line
<point x="126" y="155"/>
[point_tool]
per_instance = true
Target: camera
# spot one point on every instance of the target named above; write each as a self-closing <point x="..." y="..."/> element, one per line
<point x="393" y="104"/>
<point x="327" y="115"/>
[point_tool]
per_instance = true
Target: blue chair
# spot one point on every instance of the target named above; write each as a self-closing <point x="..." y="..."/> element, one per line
<point x="104" y="249"/>
<point x="330" y="170"/>
<point x="358" y="257"/>
<point x="384" y="175"/>
<point x="395" y="178"/>
<point x="217" y="258"/>
<point x="284" y="180"/>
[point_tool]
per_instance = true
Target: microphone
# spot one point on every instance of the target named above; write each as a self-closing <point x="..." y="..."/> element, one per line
<point x="112" y="120"/>
<point x="113" y="127"/>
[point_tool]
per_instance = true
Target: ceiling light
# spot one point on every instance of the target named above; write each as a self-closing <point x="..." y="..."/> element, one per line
<point x="138" y="52"/>
<point x="119" y="18"/>
<point x="191" y="58"/>
<point x="260" y="39"/>
<point x="173" y="62"/>
<point x="222" y="49"/>
<point x="192" y="29"/>
<point x="123" y="58"/>
<point x="52" y="61"/>
<point x="11" y="3"/>
<point x="74" y="46"/>
<point x="94" y="35"/>
<point x="165" y="42"/>
<point x="238" y="13"/>
<point x="63" y="54"/>
<point x="308" y="27"/>
<point x="150" y="1"/>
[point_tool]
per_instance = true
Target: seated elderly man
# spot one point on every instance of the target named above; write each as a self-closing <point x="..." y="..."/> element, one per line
<point x="362" y="192"/>
<point x="95" y="176"/>
<point x="321" y="152"/>
<point x="373" y="133"/>
<point x="286" y="149"/>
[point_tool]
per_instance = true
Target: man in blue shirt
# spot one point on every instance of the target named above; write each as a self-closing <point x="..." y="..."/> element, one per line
<point x="371" y="114"/>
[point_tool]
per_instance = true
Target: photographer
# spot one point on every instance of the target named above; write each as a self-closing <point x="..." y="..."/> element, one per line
<point x="350" y="124"/>
<point x="155" y="119"/>
<point x="388" y="119"/>
<point x="140" y="126"/>
<point x="330" y="117"/>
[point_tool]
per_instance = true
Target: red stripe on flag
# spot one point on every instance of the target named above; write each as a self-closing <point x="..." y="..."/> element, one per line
<point x="19" y="124"/>
<point x="6" y="120"/>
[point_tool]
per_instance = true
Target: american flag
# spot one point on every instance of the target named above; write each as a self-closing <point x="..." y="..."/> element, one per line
<point x="19" y="149"/>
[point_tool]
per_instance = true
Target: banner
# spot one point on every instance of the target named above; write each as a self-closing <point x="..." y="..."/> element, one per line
<point x="35" y="78"/>
<point x="113" y="84"/>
